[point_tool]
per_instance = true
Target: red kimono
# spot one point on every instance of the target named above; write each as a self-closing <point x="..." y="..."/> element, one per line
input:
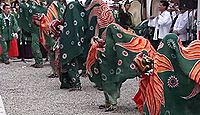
<point x="13" y="51"/>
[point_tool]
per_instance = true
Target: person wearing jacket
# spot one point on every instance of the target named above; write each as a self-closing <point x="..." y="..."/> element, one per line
<point x="125" y="17"/>
<point x="8" y="31"/>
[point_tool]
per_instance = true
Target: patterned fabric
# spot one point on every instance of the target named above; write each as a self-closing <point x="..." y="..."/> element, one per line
<point x="84" y="24"/>
<point x="73" y="32"/>
<point x="112" y="65"/>
<point x="50" y="39"/>
<point x="181" y="88"/>
<point x="54" y="13"/>
<point x="112" y="72"/>
<point x="71" y="44"/>
<point x="8" y="30"/>
<point x="26" y="11"/>
<point x="99" y="16"/>
<point x="180" y="82"/>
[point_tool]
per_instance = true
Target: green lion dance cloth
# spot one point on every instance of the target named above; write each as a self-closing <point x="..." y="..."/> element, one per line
<point x="112" y="65"/>
<point x="50" y="30"/>
<point x="173" y="88"/>
<point x="71" y="48"/>
<point x="171" y="85"/>
<point x="83" y="24"/>
<point x="99" y="16"/>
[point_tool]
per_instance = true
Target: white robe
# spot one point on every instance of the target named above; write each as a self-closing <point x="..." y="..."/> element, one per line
<point x="181" y="25"/>
<point x="162" y="24"/>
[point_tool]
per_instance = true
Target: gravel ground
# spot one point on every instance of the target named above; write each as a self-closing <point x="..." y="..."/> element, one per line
<point x="27" y="91"/>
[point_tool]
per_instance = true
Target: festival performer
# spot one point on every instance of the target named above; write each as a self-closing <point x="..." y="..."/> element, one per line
<point x="71" y="46"/>
<point x="8" y="31"/>
<point x="24" y="37"/>
<point x="98" y="18"/>
<point x="50" y="29"/>
<point x="27" y="9"/>
<point x="89" y="23"/>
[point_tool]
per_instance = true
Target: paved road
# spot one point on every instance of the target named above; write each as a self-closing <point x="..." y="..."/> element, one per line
<point x="27" y="91"/>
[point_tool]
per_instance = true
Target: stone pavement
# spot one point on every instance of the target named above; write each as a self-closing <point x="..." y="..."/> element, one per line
<point x="2" y="109"/>
<point x="27" y="91"/>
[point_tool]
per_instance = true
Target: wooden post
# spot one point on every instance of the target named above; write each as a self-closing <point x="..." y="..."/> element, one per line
<point x="148" y="8"/>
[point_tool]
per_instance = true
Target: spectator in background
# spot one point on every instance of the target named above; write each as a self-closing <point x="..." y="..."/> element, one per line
<point x="194" y="28"/>
<point x="24" y="45"/>
<point x="162" y="23"/>
<point x="174" y="11"/>
<point x="8" y="31"/>
<point x="180" y="26"/>
<point x="125" y="17"/>
<point x="24" y="37"/>
<point x="13" y="52"/>
<point x="15" y="4"/>
<point x="115" y="12"/>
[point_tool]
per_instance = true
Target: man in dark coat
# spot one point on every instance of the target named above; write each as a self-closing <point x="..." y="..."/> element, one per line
<point x="125" y="16"/>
